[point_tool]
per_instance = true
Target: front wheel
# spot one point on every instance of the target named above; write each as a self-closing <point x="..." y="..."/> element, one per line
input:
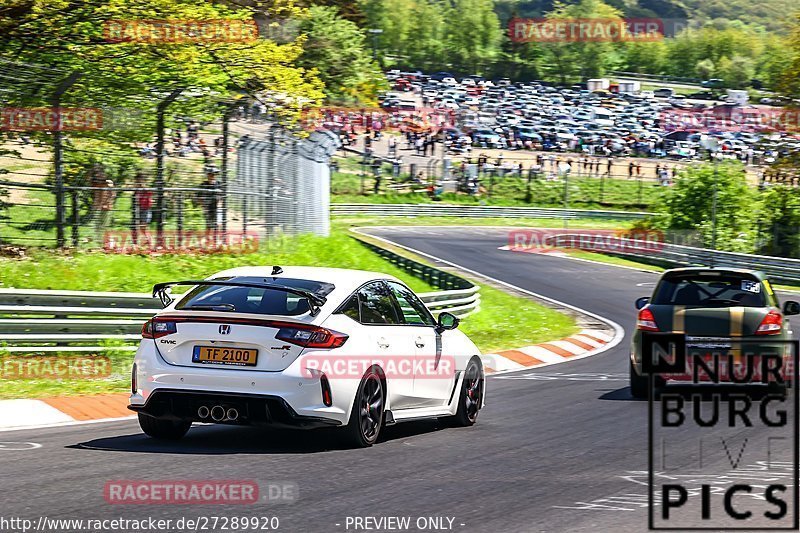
<point x="163" y="429"/>
<point x="470" y="398"/>
<point x="366" y="417"/>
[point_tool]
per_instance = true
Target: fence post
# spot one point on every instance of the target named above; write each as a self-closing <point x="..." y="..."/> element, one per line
<point x="58" y="161"/>
<point x="180" y="219"/>
<point x="639" y="193"/>
<point x="602" y="184"/>
<point x="160" y="206"/>
<point x="135" y="222"/>
<point x="76" y="219"/>
<point x="566" y="199"/>
<point x="226" y="117"/>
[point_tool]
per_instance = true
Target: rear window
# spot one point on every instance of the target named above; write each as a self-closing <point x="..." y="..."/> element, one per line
<point x="261" y="301"/>
<point x="711" y="291"/>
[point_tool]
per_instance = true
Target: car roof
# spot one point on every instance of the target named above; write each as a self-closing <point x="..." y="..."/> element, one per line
<point x="345" y="280"/>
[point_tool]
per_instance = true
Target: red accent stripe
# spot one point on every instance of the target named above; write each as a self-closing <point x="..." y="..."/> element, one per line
<point x="557" y="350"/>
<point x="595" y="338"/>
<point x="578" y="342"/>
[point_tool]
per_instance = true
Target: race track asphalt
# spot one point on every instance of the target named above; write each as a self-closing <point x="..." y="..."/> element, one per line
<point x="562" y="448"/>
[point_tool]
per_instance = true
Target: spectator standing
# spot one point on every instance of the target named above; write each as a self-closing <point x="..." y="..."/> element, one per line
<point x="143" y="203"/>
<point x="209" y="200"/>
<point x="103" y="197"/>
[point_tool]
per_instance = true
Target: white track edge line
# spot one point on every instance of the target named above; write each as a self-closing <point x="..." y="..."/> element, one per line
<point x="619" y="333"/>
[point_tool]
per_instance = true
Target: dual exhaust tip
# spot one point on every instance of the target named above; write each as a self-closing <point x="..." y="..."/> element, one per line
<point x="218" y="413"/>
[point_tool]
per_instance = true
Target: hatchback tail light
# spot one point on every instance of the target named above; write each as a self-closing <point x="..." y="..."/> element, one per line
<point x="646" y="321"/>
<point x="771" y="325"/>
<point x="154" y="328"/>
<point x="312" y="337"/>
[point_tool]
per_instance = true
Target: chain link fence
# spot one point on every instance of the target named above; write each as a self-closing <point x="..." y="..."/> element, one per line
<point x="268" y="181"/>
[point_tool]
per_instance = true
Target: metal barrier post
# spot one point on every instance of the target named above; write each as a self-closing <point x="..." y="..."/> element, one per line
<point x="76" y="219"/>
<point x="58" y="158"/>
<point x="135" y="222"/>
<point x="160" y="206"/>
<point x="226" y="117"/>
<point x="180" y="219"/>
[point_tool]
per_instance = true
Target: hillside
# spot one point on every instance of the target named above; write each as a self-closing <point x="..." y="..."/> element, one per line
<point x="771" y="14"/>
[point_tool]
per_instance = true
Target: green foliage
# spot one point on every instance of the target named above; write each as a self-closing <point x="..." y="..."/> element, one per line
<point x="339" y="52"/>
<point x="465" y="34"/>
<point x="581" y="60"/>
<point x="69" y="37"/>
<point x="688" y="205"/>
<point x="779" y="222"/>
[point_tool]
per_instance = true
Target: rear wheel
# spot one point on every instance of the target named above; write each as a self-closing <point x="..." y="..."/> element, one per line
<point x="470" y="397"/>
<point x="640" y="384"/>
<point x="163" y="429"/>
<point x="366" y="417"/>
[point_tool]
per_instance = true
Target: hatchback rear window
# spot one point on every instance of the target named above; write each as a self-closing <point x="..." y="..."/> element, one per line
<point x="708" y="291"/>
<point x="261" y="301"/>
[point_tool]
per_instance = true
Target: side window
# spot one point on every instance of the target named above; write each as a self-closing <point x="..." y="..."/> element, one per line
<point x="351" y="308"/>
<point x="377" y="304"/>
<point x="412" y="310"/>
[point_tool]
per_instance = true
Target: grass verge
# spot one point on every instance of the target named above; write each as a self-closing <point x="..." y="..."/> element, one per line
<point x="504" y="321"/>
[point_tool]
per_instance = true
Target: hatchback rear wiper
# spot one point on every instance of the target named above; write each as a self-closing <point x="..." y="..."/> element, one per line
<point x="212" y="307"/>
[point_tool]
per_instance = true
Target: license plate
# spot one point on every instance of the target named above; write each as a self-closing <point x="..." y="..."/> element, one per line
<point x="225" y="356"/>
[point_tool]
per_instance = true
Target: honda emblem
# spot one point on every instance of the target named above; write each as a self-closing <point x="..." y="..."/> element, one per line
<point x="224" y="329"/>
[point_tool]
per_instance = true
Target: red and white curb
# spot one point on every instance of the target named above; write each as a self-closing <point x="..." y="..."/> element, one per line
<point x="583" y="344"/>
<point x="63" y="411"/>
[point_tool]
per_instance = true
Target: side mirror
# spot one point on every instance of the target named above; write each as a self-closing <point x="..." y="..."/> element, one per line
<point x="791" y="307"/>
<point x="644" y="300"/>
<point x="447" y="321"/>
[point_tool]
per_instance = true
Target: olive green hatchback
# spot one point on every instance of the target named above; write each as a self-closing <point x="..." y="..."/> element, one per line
<point x="712" y="307"/>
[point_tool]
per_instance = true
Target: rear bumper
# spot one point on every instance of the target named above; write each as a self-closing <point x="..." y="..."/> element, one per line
<point x="253" y="409"/>
<point x="291" y="392"/>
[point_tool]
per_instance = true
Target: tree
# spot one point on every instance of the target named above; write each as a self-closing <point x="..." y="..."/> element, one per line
<point x="337" y="50"/>
<point x="789" y="83"/>
<point x="779" y="222"/>
<point x="705" y="68"/>
<point x="582" y="59"/>
<point x="474" y="34"/>
<point x="688" y="205"/>
<point x="134" y="75"/>
<point x="645" y="57"/>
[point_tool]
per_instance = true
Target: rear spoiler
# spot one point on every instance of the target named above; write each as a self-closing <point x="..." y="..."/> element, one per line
<point x="314" y="300"/>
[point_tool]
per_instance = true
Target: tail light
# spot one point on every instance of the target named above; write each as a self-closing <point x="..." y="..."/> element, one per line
<point x="646" y="321"/>
<point x="312" y="337"/>
<point x="154" y="328"/>
<point x="133" y="379"/>
<point x="771" y="325"/>
<point x="327" y="398"/>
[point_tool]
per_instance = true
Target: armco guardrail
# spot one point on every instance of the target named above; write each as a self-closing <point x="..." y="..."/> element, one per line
<point x="778" y="269"/>
<point x="79" y="321"/>
<point x="458" y="295"/>
<point x="474" y="211"/>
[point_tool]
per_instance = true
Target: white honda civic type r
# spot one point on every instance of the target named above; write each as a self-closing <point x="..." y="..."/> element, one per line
<point x="301" y="347"/>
